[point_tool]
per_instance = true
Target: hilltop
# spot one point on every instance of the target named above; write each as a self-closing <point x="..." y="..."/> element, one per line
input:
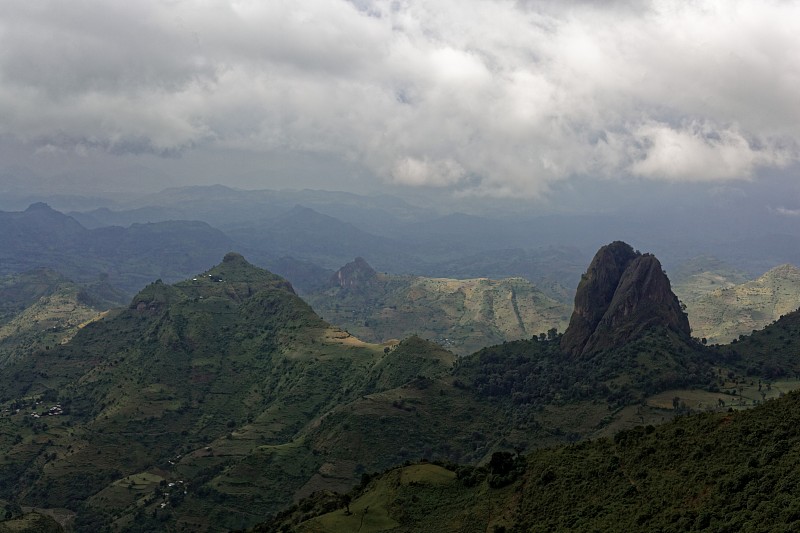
<point x="728" y="312"/>
<point x="463" y="315"/>
<point x="190" y="382"/>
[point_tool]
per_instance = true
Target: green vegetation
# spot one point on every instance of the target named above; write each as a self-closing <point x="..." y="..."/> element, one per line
<point x="729" y="311"/>
<point x="213" y="382"/>
<point x="770" y="353"/>
<point x="30" y="523"/>
<point x="40" y="309"/>
<point x="214" y="402"/>
<point x="707" y="472"/>
<point x="462" y="315"/>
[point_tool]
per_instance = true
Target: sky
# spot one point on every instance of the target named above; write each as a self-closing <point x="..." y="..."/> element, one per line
<point x="468" y="98"/>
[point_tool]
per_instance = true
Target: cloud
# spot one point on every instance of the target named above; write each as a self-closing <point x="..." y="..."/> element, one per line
<point x="787" y="212"/>
<point x="698" y="152"/>
<point x="485" y="96"/>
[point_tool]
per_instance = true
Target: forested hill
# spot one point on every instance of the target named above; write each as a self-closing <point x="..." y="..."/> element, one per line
<point x="723" y="471"/>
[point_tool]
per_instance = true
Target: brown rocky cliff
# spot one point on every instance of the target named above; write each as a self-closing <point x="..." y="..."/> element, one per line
<point x="595" y="292"/>
<point x="641" y="298"/>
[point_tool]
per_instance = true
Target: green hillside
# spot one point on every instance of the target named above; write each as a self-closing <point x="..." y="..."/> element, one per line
<point x="707" y="472"/>
<point x="701" y="275"/>
<point x="215" y="402"/>
<point x="40" y="308"/>
<point x="463" y="315"/>
<point x="211" y="381"/>
<point x="727" y="312"/>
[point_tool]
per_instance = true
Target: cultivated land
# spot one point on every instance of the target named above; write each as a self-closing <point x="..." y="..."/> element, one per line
<point x="215" y="402"/>
<point x="727" y="312"/>
<point x="461" y="315"/>
<point x="727" y="471"/>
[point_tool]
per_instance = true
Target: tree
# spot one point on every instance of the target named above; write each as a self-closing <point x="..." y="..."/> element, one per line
<point x="501" y="463"/>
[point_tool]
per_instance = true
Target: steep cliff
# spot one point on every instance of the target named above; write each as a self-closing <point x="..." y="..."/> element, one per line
<point x="623" y="294"/>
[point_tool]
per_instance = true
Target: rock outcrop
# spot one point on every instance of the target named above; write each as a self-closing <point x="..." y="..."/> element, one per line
<point x="622" y="295"/>
<point x="354" y="275"/>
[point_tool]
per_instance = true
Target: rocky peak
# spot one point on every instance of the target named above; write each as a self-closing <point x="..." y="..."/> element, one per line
<point x="38" y="206"/>
<point x="354" y="275"/>
<point x="595" y="292"/>
<point x="623" y="294"/>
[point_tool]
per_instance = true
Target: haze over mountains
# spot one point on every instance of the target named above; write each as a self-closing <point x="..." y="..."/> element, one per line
<point x="752" y="236"/>
<point x="396" y="236"/>
<point x="307" y="246"/>
<point x="568" y="233"/>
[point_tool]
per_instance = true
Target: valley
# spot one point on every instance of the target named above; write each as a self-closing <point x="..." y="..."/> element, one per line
<point x="215" y="400"/>
<point x="461" y="315"/>
<point x="238" y="396"/>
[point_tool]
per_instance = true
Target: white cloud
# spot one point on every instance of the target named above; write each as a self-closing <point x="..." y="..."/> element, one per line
<point x="410" y="171"/>
<point x="488" y="96"/>
<point x="697" y="152"/>
<point x="787" y="212"/>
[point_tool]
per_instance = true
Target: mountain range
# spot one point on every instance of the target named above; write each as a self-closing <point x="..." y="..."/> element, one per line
<point x="128" y="258"/>
<point x="214" y="402"/>
<point x="462" y="315"/>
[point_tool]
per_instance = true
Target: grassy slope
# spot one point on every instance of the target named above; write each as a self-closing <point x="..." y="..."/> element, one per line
<point x="702" y="275"/>
<point x="726" y="313"/>
<point x="770" y="353"/>
<point x="212" y="381"/>
<point x="708" y="472"/>
<point x="41" y="308"/>
<point x="463" y="315"/>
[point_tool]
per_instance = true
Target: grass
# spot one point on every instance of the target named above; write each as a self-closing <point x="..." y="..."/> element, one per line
<point x="462" y="315"/>
<point x="372" y="512"/>
<point x="706" y="472"/>
<point x="729" y="311"/>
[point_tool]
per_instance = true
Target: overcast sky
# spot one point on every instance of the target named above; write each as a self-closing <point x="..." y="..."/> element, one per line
<point x="479" y="97"/>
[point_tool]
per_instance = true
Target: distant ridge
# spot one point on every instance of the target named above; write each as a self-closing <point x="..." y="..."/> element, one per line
<point x="354" y="274"/>
<point x="461" y="314"/>
<point x="726" y="313"/>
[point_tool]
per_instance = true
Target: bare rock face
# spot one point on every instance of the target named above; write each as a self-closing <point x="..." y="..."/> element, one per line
<point x="622" y="295"/>
<point x="595" y="292"/>
<point x="354" y="275"/>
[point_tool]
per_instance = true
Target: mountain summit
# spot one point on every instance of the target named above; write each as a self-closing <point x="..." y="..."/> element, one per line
<point x="354" y="275"/>
<point x="621" y="295"/>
